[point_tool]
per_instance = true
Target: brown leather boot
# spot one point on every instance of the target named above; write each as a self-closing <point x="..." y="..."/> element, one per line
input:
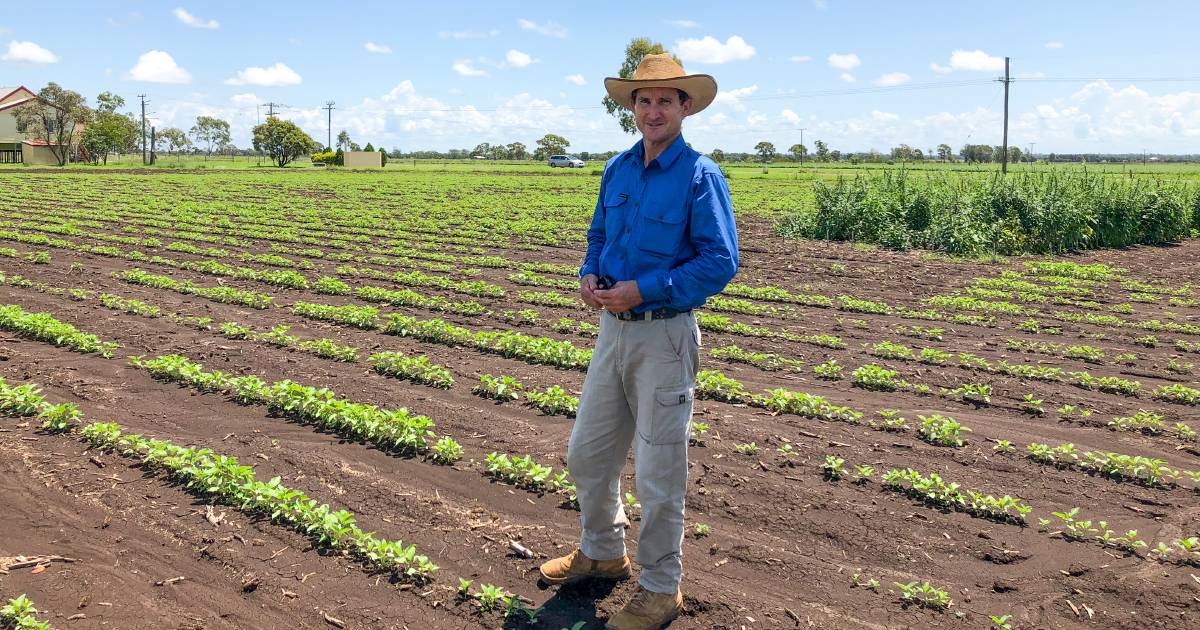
<point x="647" y="611"/>
<point x="575" y="566"/>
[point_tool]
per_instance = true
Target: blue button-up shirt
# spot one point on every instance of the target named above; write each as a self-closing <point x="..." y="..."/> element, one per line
<point x="668" y="225"/>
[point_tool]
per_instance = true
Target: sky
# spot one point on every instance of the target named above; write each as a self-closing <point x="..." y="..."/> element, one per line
<point x="1094" y="76"/>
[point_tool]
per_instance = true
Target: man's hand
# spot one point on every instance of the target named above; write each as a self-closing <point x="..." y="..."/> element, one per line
<point x="587" y="291"/>
<point x="623" y="296"/>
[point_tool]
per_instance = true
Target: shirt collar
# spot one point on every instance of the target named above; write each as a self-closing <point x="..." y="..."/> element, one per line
<point x="664" y="159"/>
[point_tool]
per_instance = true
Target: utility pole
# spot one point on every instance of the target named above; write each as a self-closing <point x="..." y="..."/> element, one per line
<point x="271" y="108"/>
<point x="143" y="99"/>
<point x="1031" y="158"/>
<point x="1004" y="158"/>
<point x="153" y="141"/>
<point x="329" y="124"/>
<point x="802" y="147"/>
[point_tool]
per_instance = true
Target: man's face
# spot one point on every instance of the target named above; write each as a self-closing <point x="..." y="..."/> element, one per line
<point x="659" y="114"/>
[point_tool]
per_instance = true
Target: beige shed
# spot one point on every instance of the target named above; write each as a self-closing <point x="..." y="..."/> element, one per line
<point x="362" y="159"/>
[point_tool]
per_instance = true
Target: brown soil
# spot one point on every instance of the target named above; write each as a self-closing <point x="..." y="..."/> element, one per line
<point x="784" y="541"/>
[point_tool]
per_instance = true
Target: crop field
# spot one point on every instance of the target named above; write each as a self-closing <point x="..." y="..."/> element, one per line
<point x="239" y="399"/>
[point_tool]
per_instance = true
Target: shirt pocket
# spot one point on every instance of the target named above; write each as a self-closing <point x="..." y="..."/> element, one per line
<point x="661" y="235"/>
<point x="616" y="205"/>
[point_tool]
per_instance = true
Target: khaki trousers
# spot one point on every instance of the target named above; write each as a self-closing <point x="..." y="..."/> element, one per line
<point x="638" y="391"/>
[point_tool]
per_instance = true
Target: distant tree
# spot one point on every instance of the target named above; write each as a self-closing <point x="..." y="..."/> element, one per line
<point x="822" y="151"/>
<point x="109" y="130"/>
<point x="339" y="158"/>
<point x="498" y="152"/>
<point x="798" y="151"/>
<point x="173" y="138"/>
<point x="343" y="140"/>
<point x="835" y="156"/>
<point x="945" y="153"/>
<point x="213" y="132"/>
<point x="52" y="117"/>
<point x="282" y="141"/>
<point x="637" y="50"/>
<point x="517" y="151"/>
<point x="383" y="157"/>
<point x="550" y="144"/>
<point x="976" y="153"/>
<point x="482" y="149"/>
<point x="107" y="102"/>
<point x="369" y="148"/>
<point x="765" y="150"/>
<point x="906" y="153"/>
<point x="716" y="155"/>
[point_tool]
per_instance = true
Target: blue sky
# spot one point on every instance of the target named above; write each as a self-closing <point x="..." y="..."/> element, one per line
<point x="430" y="75"/>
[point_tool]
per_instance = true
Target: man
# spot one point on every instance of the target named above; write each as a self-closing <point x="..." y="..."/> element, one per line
<point x="662" y="241"/>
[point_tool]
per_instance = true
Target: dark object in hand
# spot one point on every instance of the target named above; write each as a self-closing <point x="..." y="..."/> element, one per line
<point x="605" y="282"/>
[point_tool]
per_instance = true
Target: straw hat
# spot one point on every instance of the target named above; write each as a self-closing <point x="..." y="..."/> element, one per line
<point x="662" y="71"/>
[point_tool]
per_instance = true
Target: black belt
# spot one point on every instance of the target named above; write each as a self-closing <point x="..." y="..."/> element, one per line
<point x="658" y="313"/>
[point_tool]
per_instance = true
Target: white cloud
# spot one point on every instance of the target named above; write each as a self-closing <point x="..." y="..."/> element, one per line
<point x="755" y="119"/>
<point x="848" y="61"/>
<point x="242" y="100"/>
<point x="847" y="77"/>
<point x="683" y="23"/>
<point x="800" y="58"/>
<point x="467" y="34"/>
<point x="1055" y="45"/>
<point x="711" y="50"/>
<point x="517" y="59"/>
<point x="891" y="79"/>
<point x="28" y="51"/>
<point x="156" y="66"/>
<point x="732" y="97"/>
<point x="271" y="76"/>
<point x="549" y="28"/>
<point x="970" y="61"/>
<point x="380" y="49"/>
<point x="821" y="4"/>
<point x="790" y="116"/>
<point x="577" y="79"/>
<point x="182" y="15"/>
<point x="464" y="68"/>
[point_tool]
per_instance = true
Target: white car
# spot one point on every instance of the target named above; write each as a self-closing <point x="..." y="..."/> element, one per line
<point x="566" y="161"/>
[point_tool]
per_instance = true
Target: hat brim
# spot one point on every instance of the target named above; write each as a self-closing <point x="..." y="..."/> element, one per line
<point x="701" y="89"/>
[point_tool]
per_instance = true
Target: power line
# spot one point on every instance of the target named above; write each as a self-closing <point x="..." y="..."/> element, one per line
<point x="329" y="124"/>
<point x="143" y="99"/>
<point x="1004" y="156"/>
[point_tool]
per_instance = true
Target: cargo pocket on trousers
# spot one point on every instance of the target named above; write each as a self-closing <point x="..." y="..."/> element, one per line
<point x="672" y="412"/>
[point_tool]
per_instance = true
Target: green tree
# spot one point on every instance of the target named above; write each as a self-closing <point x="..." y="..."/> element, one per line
<point x="107" y="102"/>
<point x="283" y="141"/>
<point x="716" y="155"/>
<point x="382" y="157"/>
<point x="107" y="132"/>
<point x="765" y="150"/>
<point x="173" y="138"/>
<point x="550" y="144"/>
<point x="343" y="141"/>
<point x="339" y="158"/>
<point x="798" y="151"/>
<point x="822" y="150"/>
<point x="637" y="50"/>
<point x="212" y="131"/>
<point x="369" y="148"/>
<point x="517" y="151"/>
<point x="52" y="117"/>
<point x="945" y="153"/>
<point x="498" y="152"/>
<point x="483" y="149"/>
